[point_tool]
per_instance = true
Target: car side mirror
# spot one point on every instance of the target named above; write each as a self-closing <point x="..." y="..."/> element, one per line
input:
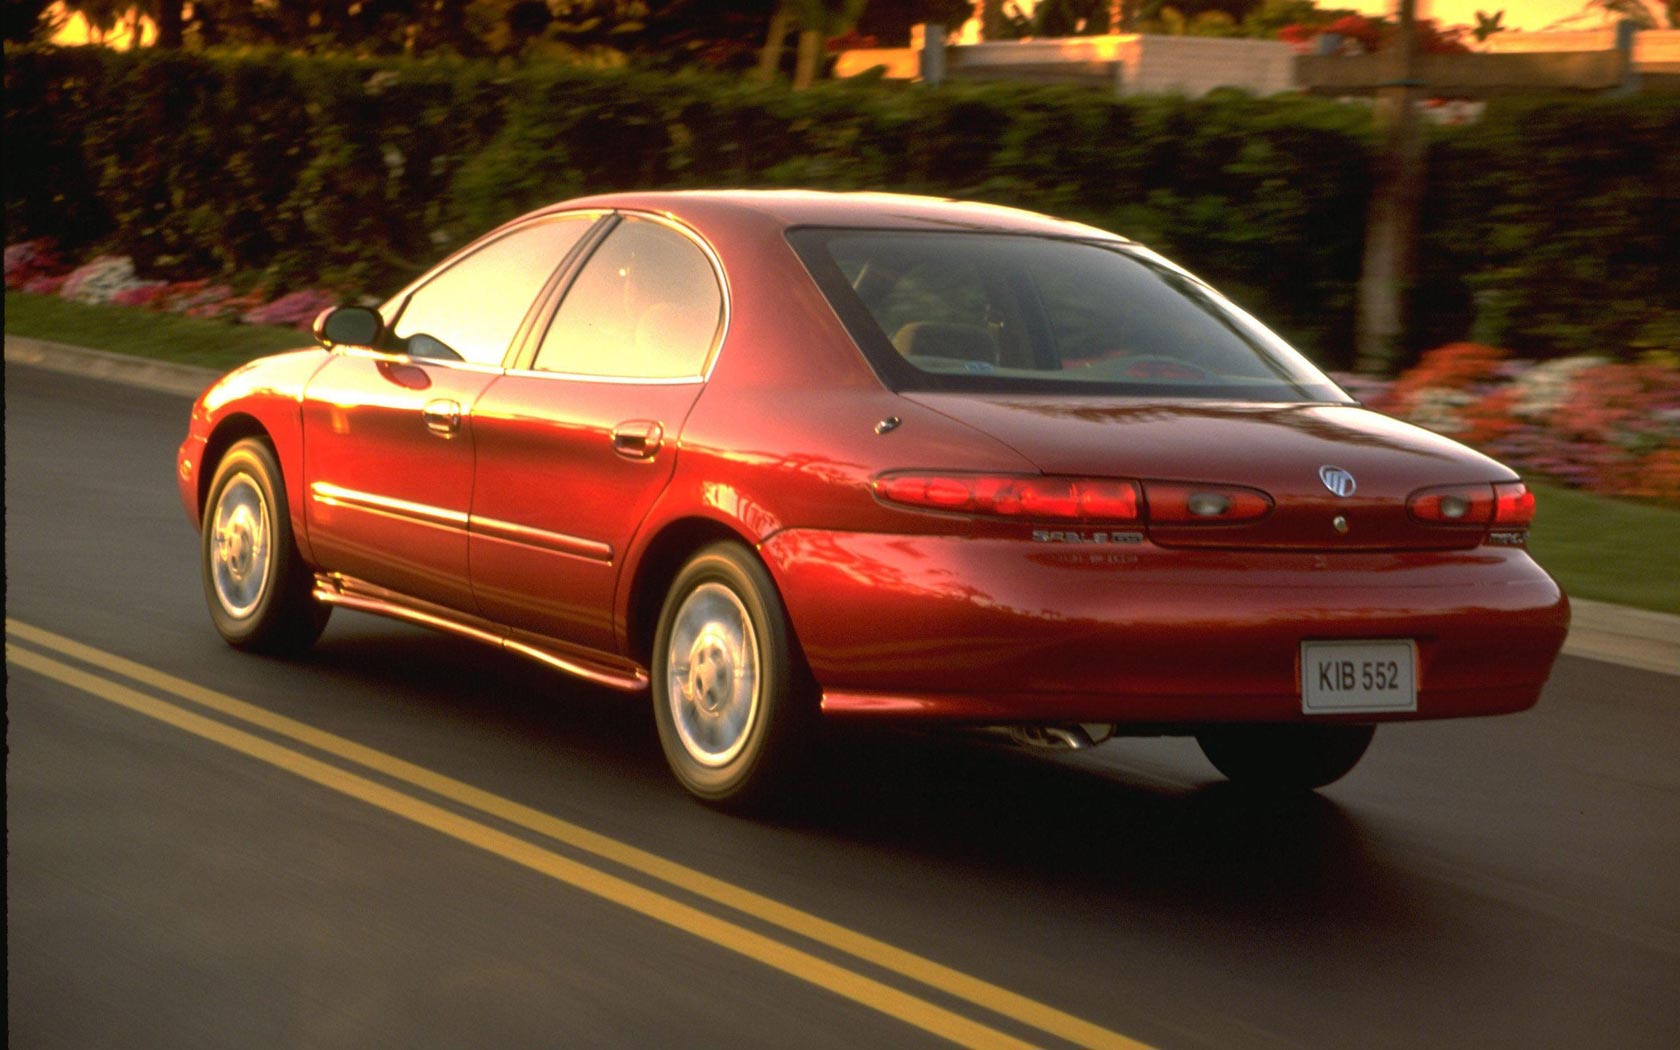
<point x="347" y="326"/>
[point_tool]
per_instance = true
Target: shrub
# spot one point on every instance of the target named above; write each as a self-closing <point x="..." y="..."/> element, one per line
<point x="1542" y="229"/>
<point x="1551" y="227"/>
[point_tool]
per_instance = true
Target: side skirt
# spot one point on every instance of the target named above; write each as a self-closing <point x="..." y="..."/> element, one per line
<point x="601" y="668"/>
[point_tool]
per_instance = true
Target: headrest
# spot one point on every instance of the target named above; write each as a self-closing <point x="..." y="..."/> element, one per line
<point x="961" y="342"/>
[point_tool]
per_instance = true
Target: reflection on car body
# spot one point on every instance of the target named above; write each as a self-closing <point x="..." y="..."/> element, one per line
<point x="782" y="458"/>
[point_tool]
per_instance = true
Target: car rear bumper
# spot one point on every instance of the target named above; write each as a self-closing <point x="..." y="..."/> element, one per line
<point x="984" y="630"/>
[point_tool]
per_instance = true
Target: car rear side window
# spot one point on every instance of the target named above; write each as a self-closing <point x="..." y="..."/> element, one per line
<point x="1032" y="314"/>
<point x="472" y="310"/>
<point x="647" y="305"/>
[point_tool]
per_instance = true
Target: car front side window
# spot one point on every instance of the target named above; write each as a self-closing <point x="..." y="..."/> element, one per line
<point x="472" y="310"/>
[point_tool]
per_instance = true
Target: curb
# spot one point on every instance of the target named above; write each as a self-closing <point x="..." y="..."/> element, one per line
<point x="1639" y="638"/>
<point x="165" y="376"/>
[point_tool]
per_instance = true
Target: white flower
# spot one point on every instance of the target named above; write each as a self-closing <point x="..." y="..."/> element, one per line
<point x="1437" y="408"/>
<point x="100" y="280"/>
<point x="1546" y="387"/>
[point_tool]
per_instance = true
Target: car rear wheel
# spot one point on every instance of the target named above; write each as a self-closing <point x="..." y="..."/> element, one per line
<point x="732" y="699"/>
<point x="1285" y="757"/>
<point x="259" y="590"/>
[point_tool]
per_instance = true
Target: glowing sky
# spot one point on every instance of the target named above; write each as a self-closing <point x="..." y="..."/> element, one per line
<point x="1519" y="14"/>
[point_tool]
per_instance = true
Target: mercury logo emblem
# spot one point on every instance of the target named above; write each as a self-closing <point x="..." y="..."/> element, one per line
<point x="1337" y="480"/>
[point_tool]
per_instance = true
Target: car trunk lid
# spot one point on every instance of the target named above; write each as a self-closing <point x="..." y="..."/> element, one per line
<point x="1339" y="475"/>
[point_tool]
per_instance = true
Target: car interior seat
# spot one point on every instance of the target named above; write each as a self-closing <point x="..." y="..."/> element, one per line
<point x="959" y="342"/>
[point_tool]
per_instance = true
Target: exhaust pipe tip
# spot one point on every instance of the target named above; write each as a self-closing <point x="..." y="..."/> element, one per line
<point x="1069" y="737"/>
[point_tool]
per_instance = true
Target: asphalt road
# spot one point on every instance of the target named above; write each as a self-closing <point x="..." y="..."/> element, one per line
<point x="510" y="865"/>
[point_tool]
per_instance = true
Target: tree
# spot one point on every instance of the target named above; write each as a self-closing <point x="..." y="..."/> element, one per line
<point x="1188" y="11"/>
<point x="889" y="21"/>
<point x="167" y="14"/>
<point x="1634" y="11"/>
<point x="1271" y="16"/>
<point x="1487" y="25"/>
<point x="816" y="21"/>
<point x="27" y="20"/>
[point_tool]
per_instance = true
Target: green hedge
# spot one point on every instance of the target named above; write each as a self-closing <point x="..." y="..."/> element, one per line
<point x="1554" y="226"/>
<point x="1540" y="229"/>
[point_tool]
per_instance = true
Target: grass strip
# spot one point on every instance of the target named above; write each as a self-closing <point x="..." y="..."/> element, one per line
<point x="1607" y="549"/>
<point x="143" y="333"/>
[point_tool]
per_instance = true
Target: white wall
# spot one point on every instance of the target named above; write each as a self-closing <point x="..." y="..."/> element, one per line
<point x="1195" y="65"/>
<point x="1188" y="65"/>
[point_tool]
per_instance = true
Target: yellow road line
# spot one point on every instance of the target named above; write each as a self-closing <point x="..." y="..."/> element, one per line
<point x="756" y="946"/>
<point x="992" y="997"/>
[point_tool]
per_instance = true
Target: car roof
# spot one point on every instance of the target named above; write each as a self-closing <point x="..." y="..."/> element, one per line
<point x="791" y="208"/>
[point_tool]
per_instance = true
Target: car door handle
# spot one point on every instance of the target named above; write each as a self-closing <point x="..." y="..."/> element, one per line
<point x="638" y="439"/>
<point x="442" y="416"/>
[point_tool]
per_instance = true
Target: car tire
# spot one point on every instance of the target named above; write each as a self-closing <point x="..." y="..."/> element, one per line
<point x="260" y="592"/>
<point x="1285" y="757"/>
<point x="734" y="703"/>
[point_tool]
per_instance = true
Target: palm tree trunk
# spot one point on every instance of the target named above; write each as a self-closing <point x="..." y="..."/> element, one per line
<point x="810" y="59"/>
<point x="169" y="23"/>
<point x="770" y="57"/>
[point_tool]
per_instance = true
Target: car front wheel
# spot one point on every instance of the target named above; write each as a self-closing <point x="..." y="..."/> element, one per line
<point x="734" y="705"/>
<point x="1285" y="757"/>
<point x="259" y="590"/>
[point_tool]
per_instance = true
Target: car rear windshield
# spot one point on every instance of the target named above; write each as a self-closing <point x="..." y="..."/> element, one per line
<point x="1006" y="313"/>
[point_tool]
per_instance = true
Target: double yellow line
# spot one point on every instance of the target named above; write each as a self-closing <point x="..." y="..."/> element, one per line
<point x="791" y="960"/>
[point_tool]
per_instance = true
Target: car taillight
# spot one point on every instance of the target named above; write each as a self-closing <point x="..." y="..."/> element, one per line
<point x="1453" y="505"/>
<point x="1177" y="504"/>
<point x="1504" y="503"/>
<point x="1515" y="504"/>
<point x="1004" y="495"/>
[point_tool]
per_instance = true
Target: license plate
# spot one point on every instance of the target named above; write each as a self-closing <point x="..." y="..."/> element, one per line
<point x="1338" y="677"/>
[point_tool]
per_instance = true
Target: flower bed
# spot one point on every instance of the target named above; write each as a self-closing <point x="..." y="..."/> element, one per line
<point x="36" y="267"/>
<point x="1586" y="422"/>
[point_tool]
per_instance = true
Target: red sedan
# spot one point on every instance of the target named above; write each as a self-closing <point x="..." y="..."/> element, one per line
<point x="784" y="457"/>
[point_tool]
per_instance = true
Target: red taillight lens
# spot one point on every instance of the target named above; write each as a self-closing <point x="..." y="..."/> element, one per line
<point x="1108" y="500"/>
<point x="1172" y="504"/>
<point x="1453" y="505"/>
<point x="1515" y="504"/>
<point x="1073" y="499"/>
<point x="1505" y="503"/>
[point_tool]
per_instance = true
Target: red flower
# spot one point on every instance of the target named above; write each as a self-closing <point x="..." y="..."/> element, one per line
<point x="1456" y="366"/>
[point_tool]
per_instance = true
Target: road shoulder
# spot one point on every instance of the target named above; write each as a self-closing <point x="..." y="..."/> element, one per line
<point x="166" y="376"/>
<point x="1621" y="635"/>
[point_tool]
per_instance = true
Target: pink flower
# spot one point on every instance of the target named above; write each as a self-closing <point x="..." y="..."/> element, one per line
<point x="43" y="284"/>
<point x="183" y="296"/>
<point x="146" y="294"/>
<point x="297" y="309"/>
<point x="28" y="260"/>
<point x="231" y="306"/>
